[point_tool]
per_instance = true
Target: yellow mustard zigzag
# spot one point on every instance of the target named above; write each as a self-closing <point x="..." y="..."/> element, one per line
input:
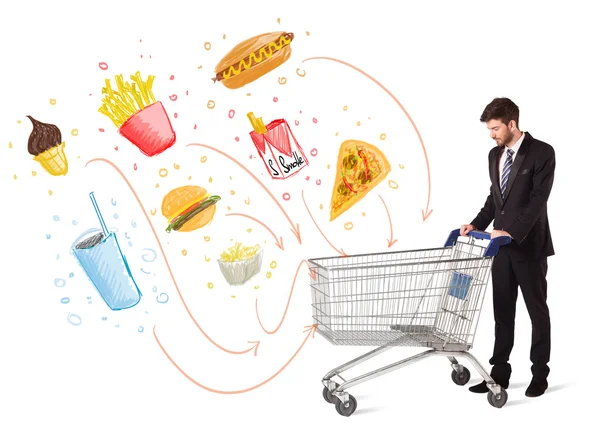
<point x="271" y="47"/>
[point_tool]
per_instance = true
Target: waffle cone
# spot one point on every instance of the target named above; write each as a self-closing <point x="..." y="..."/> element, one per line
<point x="54" y="160"/>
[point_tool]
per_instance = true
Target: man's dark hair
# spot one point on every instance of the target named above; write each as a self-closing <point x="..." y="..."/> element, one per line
<point x="503" y="109"/>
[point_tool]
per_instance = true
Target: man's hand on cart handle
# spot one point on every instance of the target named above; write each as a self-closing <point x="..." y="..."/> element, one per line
<point x="465" y="229"/>
<point x="499" y="233"/>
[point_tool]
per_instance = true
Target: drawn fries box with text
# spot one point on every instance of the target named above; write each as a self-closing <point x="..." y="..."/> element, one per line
<point x="277" y="147"/>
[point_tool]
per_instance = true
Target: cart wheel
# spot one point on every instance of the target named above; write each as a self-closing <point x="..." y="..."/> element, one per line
<point x="346" y="411"/>
<point x="499" y="400"/>
<point x="328" y="396"/>
<point x="462" y="378"/>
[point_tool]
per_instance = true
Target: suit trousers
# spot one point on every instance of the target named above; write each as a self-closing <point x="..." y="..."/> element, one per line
<point x="509" y="271"/>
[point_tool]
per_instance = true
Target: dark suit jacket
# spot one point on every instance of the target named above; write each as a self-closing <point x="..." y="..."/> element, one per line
<point x="523" y="212"/>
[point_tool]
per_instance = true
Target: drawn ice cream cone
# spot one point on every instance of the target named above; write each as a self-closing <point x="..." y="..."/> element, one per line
<point x="46" y="146"/>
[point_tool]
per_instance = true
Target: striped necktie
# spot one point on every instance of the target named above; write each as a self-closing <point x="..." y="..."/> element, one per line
<point x="506" y="170"/>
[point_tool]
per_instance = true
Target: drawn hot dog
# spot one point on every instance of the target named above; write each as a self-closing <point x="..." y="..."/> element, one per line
<point x="253" y="58"/>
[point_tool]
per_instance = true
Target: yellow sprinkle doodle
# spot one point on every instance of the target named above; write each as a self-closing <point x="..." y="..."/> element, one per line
<point x="53" y="101"/>
<point x="328" y="166"/>
<point x="207" y="46"/>
<point x="256" y="287"/>
<point x="230" y="178"/>
<point x="364" y="214"/>
<point x="15" y="177"/>
<point x="74" y="132"/>
<point x="308" y="33"/>
<point x="153" y="212"/>
<point x="345" y="108"/>
<point x="273" y="264"/>
<point x="203" y="159"/>
<point x="190" y="178"/>
<point x="382" y="136"/>
<point x="300" y="74"/>
<point x="199" y="67"/>
<point x="210" y="285"/>
<point x="10" y="145"/>
<point x="224" y="36"/>
<point x="321" y="206"/>
<point x="233" y="296"/>
<point x="269" y="274"/>
<point x="247" y="201"/>
<point x="206" y="258"/>
<point x="336" y="133"/>
<point x="206" y="238"/>
<point x="157" y="185"/>
<point x="248" y="94"/>
<point x="249" y="230"/>
<point x="232" y="192"/>
<point x="210" y="179"/>
<point x="210" y="104"/>
<point x="282" y="80"/>
<point x="184" y="252"/>
<point x="163" y="172"/>
<point x="18" y="121"/>
<point x="34" y="173"/>
<point x="348" y="226"/>
<point x="392" y="184"/>
<point x="228" y="208"/>
<point x="278" y="21"/>
<point x="358" y="124"/>
<point x="176" y="166"/>
<point x="49" y="192"/>
<point x="401" y="166"/>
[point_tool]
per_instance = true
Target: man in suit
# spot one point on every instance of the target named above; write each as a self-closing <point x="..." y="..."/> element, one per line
<point x="522" y="173"/>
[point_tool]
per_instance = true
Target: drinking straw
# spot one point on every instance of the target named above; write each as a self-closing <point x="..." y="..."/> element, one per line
<point x="100" y="218"/>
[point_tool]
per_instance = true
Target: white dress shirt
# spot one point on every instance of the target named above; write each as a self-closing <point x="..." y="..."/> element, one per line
<point x="515" y="148"/>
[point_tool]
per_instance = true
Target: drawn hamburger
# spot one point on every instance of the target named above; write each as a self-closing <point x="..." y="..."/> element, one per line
<point x="188" y="208"/>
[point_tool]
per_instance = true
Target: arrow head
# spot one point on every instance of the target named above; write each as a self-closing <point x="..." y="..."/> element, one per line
<point x="279" y="243"/>
<point x="391" y="242"/>
<point x="257" y="343"/>
<point x="311" y="329"/>
<point x="425" y="216"/>
<point x="296" y="232"/>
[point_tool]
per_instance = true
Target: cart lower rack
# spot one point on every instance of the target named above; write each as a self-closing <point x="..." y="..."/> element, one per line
<point x="421" y="298"/>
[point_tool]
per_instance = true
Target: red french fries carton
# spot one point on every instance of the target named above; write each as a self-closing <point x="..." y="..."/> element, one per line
<point x="150" y="130"/>
<point x="277" y="147"/>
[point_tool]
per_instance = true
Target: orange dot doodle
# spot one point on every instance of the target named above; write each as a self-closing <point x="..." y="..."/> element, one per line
<point x="206" y="238"/>
<point x="401" y="166"/>
<point x="176" y="166"/>
<point x="224" y="36"/>
<point x="203" y="159"/>
<point x="282" y="81"/>
<point x="153" y="212"/>
<point x="382" y="136"/>
<point x="206" y="258"/>
<point x="207" y="46"/>
<point x="278" y="21"/>
<point x="210" y="179"/>
<point x="348" y="226"/>
<point x="74" y="132"/>
<point x="392" y="184"/>
<point x="53" y="101"/>
<point x="364" y="214"/>
<point x="308" y="33"/>
<point x="34" y="173"/>
<point x="232" y="192"/>
<point x="184" y="252"/>
<point x="247" y="201"/>
<point x="300" y="74"/>
<point x="10" y="145"/>
<point x="345" y="108"/>
<point x="321" y="206"/>
<point x="157" y="185"/>
<point x="49" y="191"/>
<point x="163" y="172"/>
<point x="210" y="104"/>
<point x="358" y="123"/>
<point x="15" y="177"/>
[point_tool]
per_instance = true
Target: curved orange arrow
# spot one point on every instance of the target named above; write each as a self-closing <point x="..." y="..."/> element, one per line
<point x="295" y="229"/>
<point x="424" y="213"/>
<point x="311" y="273"/>
<point x="311" y="330"/>
<point x="340" y="251"/>
<point x="278" y="241"/>
<point x="390" y="240"/>
<point x="255" y="346"/>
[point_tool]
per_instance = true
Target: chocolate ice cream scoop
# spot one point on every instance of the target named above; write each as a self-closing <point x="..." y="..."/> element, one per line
<point x="42" y="137"/>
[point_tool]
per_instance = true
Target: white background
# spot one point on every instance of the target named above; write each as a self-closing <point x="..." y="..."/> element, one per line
<point x="444" y="61"/>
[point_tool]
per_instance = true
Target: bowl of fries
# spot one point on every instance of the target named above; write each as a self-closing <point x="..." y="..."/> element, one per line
<point x="240" y="263"/>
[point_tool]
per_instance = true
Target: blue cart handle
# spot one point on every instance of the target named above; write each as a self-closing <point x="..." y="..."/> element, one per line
<point x="493" y="246"/>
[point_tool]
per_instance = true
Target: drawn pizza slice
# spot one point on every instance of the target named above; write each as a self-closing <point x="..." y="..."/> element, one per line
<point x="360" y="168"/>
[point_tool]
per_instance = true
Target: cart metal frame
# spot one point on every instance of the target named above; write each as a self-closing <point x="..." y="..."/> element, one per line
<point x="418" y="298"/>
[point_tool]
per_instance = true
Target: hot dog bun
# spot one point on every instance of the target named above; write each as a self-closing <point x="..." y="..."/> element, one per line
<point x="180" y="199"/>
<point x="277" y="50"/>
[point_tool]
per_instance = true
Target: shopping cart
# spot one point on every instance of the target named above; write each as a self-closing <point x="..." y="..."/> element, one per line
<point x="421" y="298"/>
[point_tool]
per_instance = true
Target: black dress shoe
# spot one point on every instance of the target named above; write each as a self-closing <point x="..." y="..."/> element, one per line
<point x="483" y="388"/>
<point x="537" y="387"/>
